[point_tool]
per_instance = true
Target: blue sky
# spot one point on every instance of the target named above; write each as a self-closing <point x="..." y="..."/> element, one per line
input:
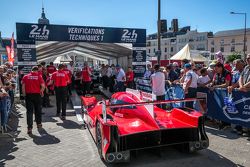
<point x="204" y="15"/>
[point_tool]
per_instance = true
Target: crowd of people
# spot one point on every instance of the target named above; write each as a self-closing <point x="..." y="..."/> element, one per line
<point x="228" y="75"/>
<point x="7" y="91"/>
<point x="45" y="80"/>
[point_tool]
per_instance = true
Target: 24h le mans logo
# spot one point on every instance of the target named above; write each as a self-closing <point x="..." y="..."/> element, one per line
<point x="237" y="110"/>
<point x="39" y="33"/>
<point x="129" y="36"/>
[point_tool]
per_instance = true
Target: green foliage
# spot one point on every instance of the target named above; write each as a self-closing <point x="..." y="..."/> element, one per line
<point x="233" y="57"/>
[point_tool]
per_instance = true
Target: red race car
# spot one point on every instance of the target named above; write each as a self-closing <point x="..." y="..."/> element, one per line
<point x="128" y="122"/>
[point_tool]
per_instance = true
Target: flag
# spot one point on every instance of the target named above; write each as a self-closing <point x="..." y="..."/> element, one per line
<point x="12" y="49"/>
<point x="8" y="52"/>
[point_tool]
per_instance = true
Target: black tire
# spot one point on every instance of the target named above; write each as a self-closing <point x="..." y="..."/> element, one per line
<point x="99" y="139"/>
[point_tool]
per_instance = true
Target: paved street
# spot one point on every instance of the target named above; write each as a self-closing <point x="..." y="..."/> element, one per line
<point x="67" y="144"/>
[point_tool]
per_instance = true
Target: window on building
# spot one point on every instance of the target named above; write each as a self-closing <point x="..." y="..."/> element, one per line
<point x="212" y="42"/>
<point x="233" y="41"/>
<point x="222" y="49"/>
<point x="148" y="50"/>
<point x="222" y="41"/>
<point x="166" y="50"/>
<point x="232" y="48"/>
<point x="212" y="50"/>
<point x="212" y="57"/>
<point x="172" y="49"/>
<point x="154" y="50"/>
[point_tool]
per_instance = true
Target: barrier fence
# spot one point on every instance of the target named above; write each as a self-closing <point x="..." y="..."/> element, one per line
<point x="233" y="108"/>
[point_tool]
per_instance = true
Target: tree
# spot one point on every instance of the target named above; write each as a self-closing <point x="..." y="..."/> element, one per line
<point x="234" y="56"/>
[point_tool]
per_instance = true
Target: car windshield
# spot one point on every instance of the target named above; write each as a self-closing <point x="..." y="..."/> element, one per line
<point x="115" y="101"/>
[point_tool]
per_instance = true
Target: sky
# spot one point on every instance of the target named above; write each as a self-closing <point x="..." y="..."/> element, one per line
<point x="203" y="15"/>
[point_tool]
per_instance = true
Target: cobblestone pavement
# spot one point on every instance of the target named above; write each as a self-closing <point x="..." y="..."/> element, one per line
<point x="67" y="144"/>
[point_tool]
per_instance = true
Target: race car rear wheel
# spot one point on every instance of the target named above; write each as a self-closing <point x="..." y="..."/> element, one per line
<point x="99" y="139"/>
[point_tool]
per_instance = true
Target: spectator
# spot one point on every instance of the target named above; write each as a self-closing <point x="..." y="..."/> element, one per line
<point x="183" y="62"/>
<point x="227" y="66"/>
<point x="239" y="67"/>
<point x="189" y="84"/>
<point x="148" y="72"/>
<point x="86" y="79"/>
<point x="211" y="71"/>
<point x="1" y="76"/>
<point x="171" y="74"/>
<point x="244" y="81"/>
<point x="120" y="79"/>
<point x="33" y="88"/>
<point x="104" y="76"/>
<point x="130" y="78"/>
<point x="177" y="69"/>
<point x="204" y="79"/>
<point x="222" y="77"/>
<point x="112" y="78"/>
<point x="158" y="85"/>
<point x="109" y="74"/>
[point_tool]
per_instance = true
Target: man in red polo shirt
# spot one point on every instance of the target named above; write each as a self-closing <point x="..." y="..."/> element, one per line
<point x="130" y="78"/>
<point x="86" y="79"/>
<point x="32" y="88"/>
<point x="51" y="68"/>
<point x="60" y="80"/>
<point x="69" y="73"/>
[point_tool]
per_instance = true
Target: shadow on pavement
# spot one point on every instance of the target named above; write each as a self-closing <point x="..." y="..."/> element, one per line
<point x="68" y="124"/>
<point x="222" y="133"/>
<point x="45" y="138"/>
<point x="173" y="158"/>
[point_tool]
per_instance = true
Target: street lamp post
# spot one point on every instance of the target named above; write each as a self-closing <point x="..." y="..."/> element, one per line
<point x="159" y="32"/>
<point x="245" y="31"/>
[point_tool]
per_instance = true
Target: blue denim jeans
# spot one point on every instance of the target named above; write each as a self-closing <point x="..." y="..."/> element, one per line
<point x="5" y="106"/>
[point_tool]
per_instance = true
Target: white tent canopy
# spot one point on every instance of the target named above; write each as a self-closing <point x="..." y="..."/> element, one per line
<point x="185" y="53"/>
<point x="62" y="59"/>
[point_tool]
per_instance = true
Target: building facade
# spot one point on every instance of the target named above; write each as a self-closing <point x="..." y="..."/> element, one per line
<point x="170" y="45"/>
<point x="197" y="40"/>
<point x="168" y="48"/>
<point x="229" y="42"/>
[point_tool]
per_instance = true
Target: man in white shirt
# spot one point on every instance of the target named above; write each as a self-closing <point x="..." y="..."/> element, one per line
<point x="158" y="85"/>
<point x="189" y="84"/>
<point x="120" y="79"/>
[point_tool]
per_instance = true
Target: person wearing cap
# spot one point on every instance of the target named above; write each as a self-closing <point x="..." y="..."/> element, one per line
<point x="158" y="85"/>
<point x="222" y="77"/>
<point x="120" y="79"/>
<point x="32" y="89"/>
<point x="60" y="80"/>
<point x="189" y="79"/>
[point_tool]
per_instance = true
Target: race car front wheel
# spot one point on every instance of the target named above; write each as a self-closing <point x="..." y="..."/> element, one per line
<point x="99" y="139"/>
